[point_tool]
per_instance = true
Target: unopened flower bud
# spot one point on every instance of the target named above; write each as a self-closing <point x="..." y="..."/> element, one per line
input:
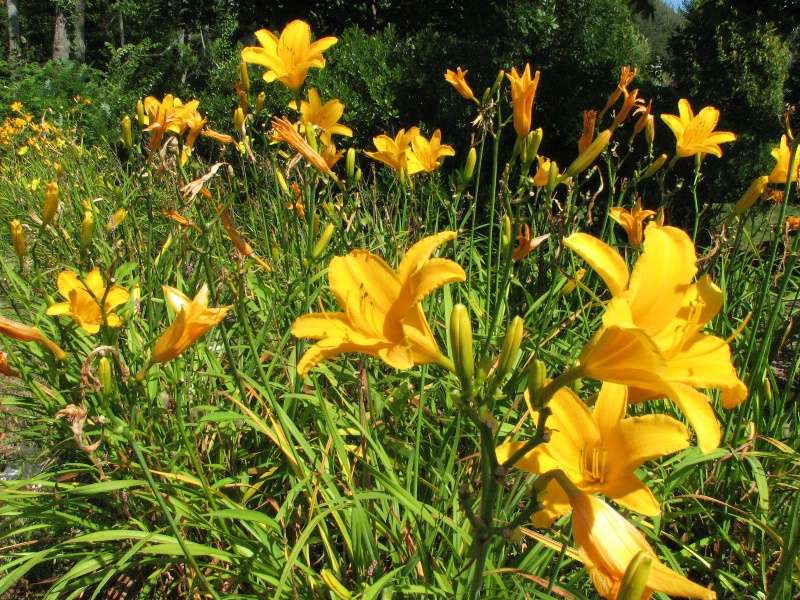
<point x="350" y="166"/>
<point x="260" y="102"/>
<point x="18" y="239"/>
<point x="537" y="379"/>
<point x="104" y="375"/>
<point x="238" y="119"/>
<point x="323" y="241"/>
<point x="634" y="583"/>
<point x="650" y="130"/>
<point x="59" y="169"/>
<point x="497" y="82"/>
<point x="507" y="238"/>
<point x="281" y="181"/>
<point x="469" y="168"/>
<point x="87" y="230"/>
<point x="530" y="146"/>
<point x="552" y="177"/>
<point x="50" y="203"/>
<point x="586" y="158"/>
<point x="315" y="228"/>
<point x="127" y="136"/>
<point x="115" y="219"/>
<point x="511" y="345"/>
<point x="461" y="344"/>
<point x="654" y="168"/>
<point x="140" y="113"/>
<point x="752" y="194"/>
<point x="311" y="136"/>
<point x="244" y="76"/>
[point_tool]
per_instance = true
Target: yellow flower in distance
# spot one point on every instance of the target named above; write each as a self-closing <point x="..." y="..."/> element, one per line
<point x="395" y="152"/>
<point x="783" y="154"/>
<point x="324" y="117"/>
<point x="659" y="303"/>
<point x="289" y="57"/>
<point x="194" y="318"/>
<point x="598" y="450"/>
<point x="458" y="80"/>
<point x="695" y="134"/>
<point x="26" y="333"/>
<point x="84" y="299"/>
<point x="382" y="311"/>
<point x="430" y="154"/>
<point x="632" y="221"/>
<point x="607" y="543"/>
<point x="523" y="92"/>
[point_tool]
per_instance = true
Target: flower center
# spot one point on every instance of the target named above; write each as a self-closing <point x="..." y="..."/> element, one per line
<point x="593" y="462"/>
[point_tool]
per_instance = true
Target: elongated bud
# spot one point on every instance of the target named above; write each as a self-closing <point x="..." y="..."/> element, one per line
<point x="244" y="76"/>
<point x="552" y="177"/>
<point x="350" y="166"/>
<point x="275" y="251"/>
<point x="311" y="136"/>
<point x="511" y="345"/>
<point x="752" y="194"/>
<point x="127" y="136"/>
<point x="634" y="582"/>
<point x="50" y="207"/>
<point x="323" y="241"/>
<point x="507" y="236"/>
<point x="115" y="219"/>
<point x="497" y="82"/>
<point x="469" y="168"/>
<point x="586" y="158"/>
<point x="530" y="146"/>
<point x="461" y="343"/>
<point x="18" y="239"/>
<point x="104" y="375"/>
<point x="260" y="102"/>
<point x="238" y="119"/>
<point x="650" y="130"/>
<point x="654" y="168"/>
<point x="537" y="379"/>
<point x="315" y="228"/>
<point x="334" y="585"/>
<point x="87" y="230"/>
<point x="140" y="113"/>
<point x="59" y="169"/>
<point x="483" y="369"/>
<point x="357" y="178"/>
<point x="281" y="181"/>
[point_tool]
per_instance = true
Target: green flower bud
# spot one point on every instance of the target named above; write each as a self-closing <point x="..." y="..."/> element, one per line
<point x="334" y="585"/>
<point x="588" y="156"/>
<point x="18" y="239"/>
<point x="634" y="582"/>
<point x="104" y="375"/>
<point x="469" y="169"/>
<point x="127" y="136"/>
<point x="350" y="166"/>
<point x="653" y="168"/>
<point x="87" y="230"/>
<point x="244" y="76"/>
<point x="511" y="345"/>
<point x="461" y="343"/>
<point x="323" y="241"/>
<point x="537" y="379"/>
<point x="50" y="207"/>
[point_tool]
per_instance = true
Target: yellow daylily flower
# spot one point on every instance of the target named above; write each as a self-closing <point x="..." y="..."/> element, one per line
<point x="382" y="311"/>
<point x="589" y="122"/>
<point x="598" y="450"/>
<point x="289" y="57"/>
<point x="286" y="132"/>
<point x="632" y="221"/>
<point x="395" y="152"/>
<point x="783" y="154"/>
<point x="171" y="116"/>
<point x="26" y="333"/>
<point x="695" y="134"/>
<point x="458" y="80"/>
<point x="659" y="303"/>
<point x="430" y="154"/>
<point x="194" y="319"/>
<point x="542" y="176"/>
<point x="523" y="92"/>
<point x="324" y="117"/>
<point x="607" y="543"/>
<point x="84" y="299"/>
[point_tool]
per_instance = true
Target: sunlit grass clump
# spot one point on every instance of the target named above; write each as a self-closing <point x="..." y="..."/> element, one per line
<point x="235" y="368"/>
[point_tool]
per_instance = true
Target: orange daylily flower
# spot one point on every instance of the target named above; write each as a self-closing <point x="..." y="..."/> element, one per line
<point x="458" y="80"/>
<point x="286" y="132"/>
<point x="26" y="333"/>
<point x="523" y="92"/>
<point x="324" y="117"/>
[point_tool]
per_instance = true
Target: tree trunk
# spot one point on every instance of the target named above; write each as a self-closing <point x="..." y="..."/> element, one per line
<point x="121" y="29"/>
<point x="60" y="37"/>
<point x="80" y="34"/>
<point x="13" y="33"/>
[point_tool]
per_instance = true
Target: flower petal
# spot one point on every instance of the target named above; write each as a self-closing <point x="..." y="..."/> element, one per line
<point x="636" y="440"/>
<point x="420" y="252"/>
<point x="632" y="494"/>
<point x="701" y="415"/>
<point x="602" y="258"/>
